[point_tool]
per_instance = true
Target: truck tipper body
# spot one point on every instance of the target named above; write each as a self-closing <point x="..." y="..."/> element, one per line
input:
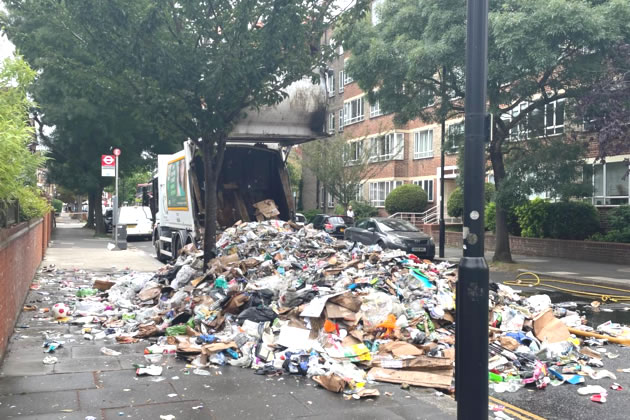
<point x="254" y="169"/>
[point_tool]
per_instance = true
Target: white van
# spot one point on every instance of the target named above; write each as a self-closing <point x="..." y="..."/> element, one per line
<point x="137" y="219"/>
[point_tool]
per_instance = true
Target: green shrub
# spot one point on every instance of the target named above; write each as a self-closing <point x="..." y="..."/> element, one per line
<point x="455" y="203"/>
<point x="563" y="220"/>
<point x="57" y="205"/>
<point x="573" y="220"/>
<point x="619" y="218"/>
<point x="310" y="214"/>
<point x="490" y="220"/>
<point x="363" y="210"/>
<point x="490" y="216"/>
<point x="619" y="225"/>
<point x="407" y="198"/>
<point x="532" y="217"/>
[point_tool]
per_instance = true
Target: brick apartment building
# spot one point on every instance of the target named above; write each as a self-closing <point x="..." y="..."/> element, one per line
<point x="402" y="154"/>
<point x="411" y="153"/>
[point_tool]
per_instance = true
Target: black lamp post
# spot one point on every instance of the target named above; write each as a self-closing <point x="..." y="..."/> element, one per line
<point x="471" y="354"/>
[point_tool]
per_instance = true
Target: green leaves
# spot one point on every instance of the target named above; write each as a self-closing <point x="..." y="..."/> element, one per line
<point x="19" y="164"/>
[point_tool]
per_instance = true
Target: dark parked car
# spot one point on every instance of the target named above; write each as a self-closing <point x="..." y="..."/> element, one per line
<point x="334" y="225"/>
<point x="392" y="234"/>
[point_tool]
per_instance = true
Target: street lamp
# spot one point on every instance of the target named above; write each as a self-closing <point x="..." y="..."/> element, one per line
<point x="471" y="347"/>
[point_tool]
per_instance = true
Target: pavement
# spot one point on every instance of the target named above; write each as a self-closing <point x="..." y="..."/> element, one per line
<point x="586" y="271"/>
<point x="86" y="384"/>
<point x="73" y="246"/>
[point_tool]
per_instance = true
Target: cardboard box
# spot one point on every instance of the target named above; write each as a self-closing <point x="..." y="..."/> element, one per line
<point x="549" y="328"/>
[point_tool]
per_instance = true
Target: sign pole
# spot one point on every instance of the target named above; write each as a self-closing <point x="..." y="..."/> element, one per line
<point x="116" y="208"/>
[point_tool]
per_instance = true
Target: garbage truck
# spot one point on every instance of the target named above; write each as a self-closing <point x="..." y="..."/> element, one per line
<point x="254" y="170"/>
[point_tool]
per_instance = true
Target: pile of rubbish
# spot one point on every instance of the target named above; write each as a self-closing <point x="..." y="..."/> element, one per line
<point x="287" y="299"/>
<point x="536" y="343"/>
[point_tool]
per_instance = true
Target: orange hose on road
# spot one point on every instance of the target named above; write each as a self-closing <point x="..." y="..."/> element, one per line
<point x="617" y="340"/>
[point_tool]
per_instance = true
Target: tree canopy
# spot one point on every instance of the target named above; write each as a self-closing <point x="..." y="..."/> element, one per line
<point x="540" y="53"/>
<point x="197" y="66"/>
<point x="81" y="99"/>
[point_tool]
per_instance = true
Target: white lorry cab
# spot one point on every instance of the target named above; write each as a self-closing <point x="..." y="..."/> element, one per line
<point x="254" y="169"/>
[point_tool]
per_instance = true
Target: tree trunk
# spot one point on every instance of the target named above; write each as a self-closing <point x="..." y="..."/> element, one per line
<point x="502" y="251"/>
<point x="98" y="212"/>
<point x="90" y="218"/>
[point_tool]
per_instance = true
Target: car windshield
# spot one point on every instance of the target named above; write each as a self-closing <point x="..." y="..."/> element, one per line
<point x="335" y="220"/>
<point x="396" y="225"/>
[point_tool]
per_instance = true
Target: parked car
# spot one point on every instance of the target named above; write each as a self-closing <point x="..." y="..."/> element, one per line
<point x="392" y="234"/>
<point x="138" y="221"/>
<point x="108" y="218"/>
<point x="300" y="219"/>
<point x="334" y="225"/>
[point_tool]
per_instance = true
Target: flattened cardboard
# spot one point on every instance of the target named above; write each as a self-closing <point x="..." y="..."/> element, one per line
<point x="102" y="284"/>
<point x="335" y="311"/>
<point x="440" y="379"/>
<point x="347" y="300"/>
<point x="400" y="349"/>
<point x="549" y="328"/>
<point x="216" y="347"/>
<point x="420" y="363"/>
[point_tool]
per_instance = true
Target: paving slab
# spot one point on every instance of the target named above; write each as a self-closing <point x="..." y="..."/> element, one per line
<point x="75" y="415"/>
<point x="186" y="410"/>
<point x="42" y="383"/>
<point x="128" y="379"/>
<point x="89" y="352"/>
<point x="38" y="403"/>
<point x="380" y="413"/>
<point x="265" y="406"/>
<point x="136" y="395"/>
<point x="86" y="365"/>
<point x="16" y="367"/>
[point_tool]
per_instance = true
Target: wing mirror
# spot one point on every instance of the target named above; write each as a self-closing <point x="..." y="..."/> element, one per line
<point x="371" y="229"/>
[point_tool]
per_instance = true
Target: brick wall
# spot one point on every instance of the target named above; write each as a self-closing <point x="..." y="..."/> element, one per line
<point x="604" y="252"/>
<point x="22" y="248"/>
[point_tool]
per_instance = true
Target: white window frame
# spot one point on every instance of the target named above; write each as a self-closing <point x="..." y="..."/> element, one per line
<point x="379" y="190"/>
<point x="354" y="152"/>
<point x="341" y="81"/>
<point x="549" y="128"/>
<point x="605" y="199"/>
<point x="331" y="123"/>
<point x="330" y="83"/>
<point x="427" y="185"/>
<point x="423" y="147"/>
<point x="387" y="147"/>
<point x="348" y="117"/>
<point x="375" y="110"/>
<point x="346" y="79"/>
<point x="341" y="120"/>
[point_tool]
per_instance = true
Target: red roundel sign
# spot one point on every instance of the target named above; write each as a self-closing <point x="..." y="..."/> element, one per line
<point x="108" y="160"/>
<point x="117" y="151"/>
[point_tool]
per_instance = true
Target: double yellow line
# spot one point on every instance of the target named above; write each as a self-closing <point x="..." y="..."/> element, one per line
<point x="514" y="411"/>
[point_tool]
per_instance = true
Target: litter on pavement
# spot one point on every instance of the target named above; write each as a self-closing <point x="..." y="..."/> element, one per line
<point x="282" y="299"/>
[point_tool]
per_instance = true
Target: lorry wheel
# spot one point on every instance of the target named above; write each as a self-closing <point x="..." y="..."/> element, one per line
<point x="158" y="244"/>
<point x="160" y="257"/>
<point x="175" y="247"/>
